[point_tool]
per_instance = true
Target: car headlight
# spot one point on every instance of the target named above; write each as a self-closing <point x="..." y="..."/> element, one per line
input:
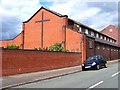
<point x="93" y="63"/>
<point x="82" y="64"/>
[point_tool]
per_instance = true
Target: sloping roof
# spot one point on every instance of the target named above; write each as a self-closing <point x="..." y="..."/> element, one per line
<point x="91" y="29"/>
<point x="109" y="26"/>
<point x="13" y="38"/>
<point x="51" y="11"/>
<point x="105" y="42"/>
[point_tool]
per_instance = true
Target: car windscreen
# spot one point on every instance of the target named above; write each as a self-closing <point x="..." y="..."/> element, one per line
<point x="91" y="59"/>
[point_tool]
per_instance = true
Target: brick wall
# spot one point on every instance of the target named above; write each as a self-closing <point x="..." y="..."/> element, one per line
<point x="114" y="53"/>
<point x="73" y="41"/>
<point x="23" y="61"/>
<point x="90" y="50"/>
<point x="103" y="50"/>
<point x="109" y="52"/>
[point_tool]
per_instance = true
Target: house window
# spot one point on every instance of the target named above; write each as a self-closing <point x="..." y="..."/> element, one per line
<point x="90" y="44"/>
<point x="108" y="39"/>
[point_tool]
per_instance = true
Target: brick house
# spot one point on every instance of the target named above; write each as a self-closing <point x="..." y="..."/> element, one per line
<point x="113" y="32"/>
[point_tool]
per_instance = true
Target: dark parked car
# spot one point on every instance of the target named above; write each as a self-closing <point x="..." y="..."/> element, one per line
<point x="94" y="62"/>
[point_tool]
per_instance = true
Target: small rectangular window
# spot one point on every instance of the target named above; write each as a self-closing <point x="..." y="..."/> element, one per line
<point x="97" y="35"/>
<point x="79" y="29"/>
<point x="101" y="37"/>
<point x="86" y="31"/>
<point x="92" y="34"/>
<point x="104" y="38"/>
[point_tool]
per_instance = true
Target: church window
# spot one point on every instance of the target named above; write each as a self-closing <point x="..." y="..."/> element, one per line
<point x="82" y="30"/>
<point x="92" y="33"/>
<point x="110" y="40"/>
<point x="86" y="31"/>
<point x="97" y="35"/>
<point x="104" y="38"/>
<point x="113" y="41"/>
<point x="79" y="29"/>
<point x="101" y="37"/>
<point x="70" y="24"/>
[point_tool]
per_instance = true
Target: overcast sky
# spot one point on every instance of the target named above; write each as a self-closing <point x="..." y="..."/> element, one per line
<point x="96" y="14"/>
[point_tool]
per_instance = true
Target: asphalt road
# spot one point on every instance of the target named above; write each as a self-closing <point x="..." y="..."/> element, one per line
<point x="103" y="78"/>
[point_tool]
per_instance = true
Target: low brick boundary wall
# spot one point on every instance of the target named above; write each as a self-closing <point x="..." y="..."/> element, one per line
<point x="24" y="61"/>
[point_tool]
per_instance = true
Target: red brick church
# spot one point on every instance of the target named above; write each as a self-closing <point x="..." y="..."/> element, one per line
<point x="47" y="27"/>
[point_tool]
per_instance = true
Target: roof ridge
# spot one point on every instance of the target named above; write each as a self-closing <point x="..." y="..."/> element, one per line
<point x="52" y="11"/>
<point x="56" y="13"/>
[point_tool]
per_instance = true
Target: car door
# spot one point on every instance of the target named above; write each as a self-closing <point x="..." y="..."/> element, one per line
<point x="100" y="60"/>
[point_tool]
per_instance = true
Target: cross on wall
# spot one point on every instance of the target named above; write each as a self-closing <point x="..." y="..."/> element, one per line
<point x="42" y="27"/>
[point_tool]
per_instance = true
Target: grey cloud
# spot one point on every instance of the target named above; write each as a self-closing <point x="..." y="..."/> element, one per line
<point x="107" y="15"/>
<point x="10" y="26"/>
<point x="104" y="6"/>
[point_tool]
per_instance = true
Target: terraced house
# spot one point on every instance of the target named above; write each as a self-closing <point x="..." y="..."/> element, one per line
<point x="47" y="27"/>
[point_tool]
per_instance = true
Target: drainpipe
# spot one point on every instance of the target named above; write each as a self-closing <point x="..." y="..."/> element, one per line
<point x="83" y="47"/>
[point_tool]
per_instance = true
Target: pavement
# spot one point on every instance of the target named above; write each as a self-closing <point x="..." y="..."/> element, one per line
<point x="103" y="79"/>
<point x="21" y="79"/>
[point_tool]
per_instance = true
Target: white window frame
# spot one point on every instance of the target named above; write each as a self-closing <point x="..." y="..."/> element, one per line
<point x="97" y="35"/>
<point x="80" y="29"/>
<point x="104" y="38"/>
<point x="101" y="37"/>
<point x="110" y="40"/>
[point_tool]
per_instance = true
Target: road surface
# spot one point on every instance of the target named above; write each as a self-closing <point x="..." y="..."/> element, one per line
<point x="103" y="78"/>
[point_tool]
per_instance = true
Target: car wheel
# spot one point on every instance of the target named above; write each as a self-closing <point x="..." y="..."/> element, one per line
<point x="105" y="65"/>
<point x="83" y="68"/>
<point x="98" y="67"/>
